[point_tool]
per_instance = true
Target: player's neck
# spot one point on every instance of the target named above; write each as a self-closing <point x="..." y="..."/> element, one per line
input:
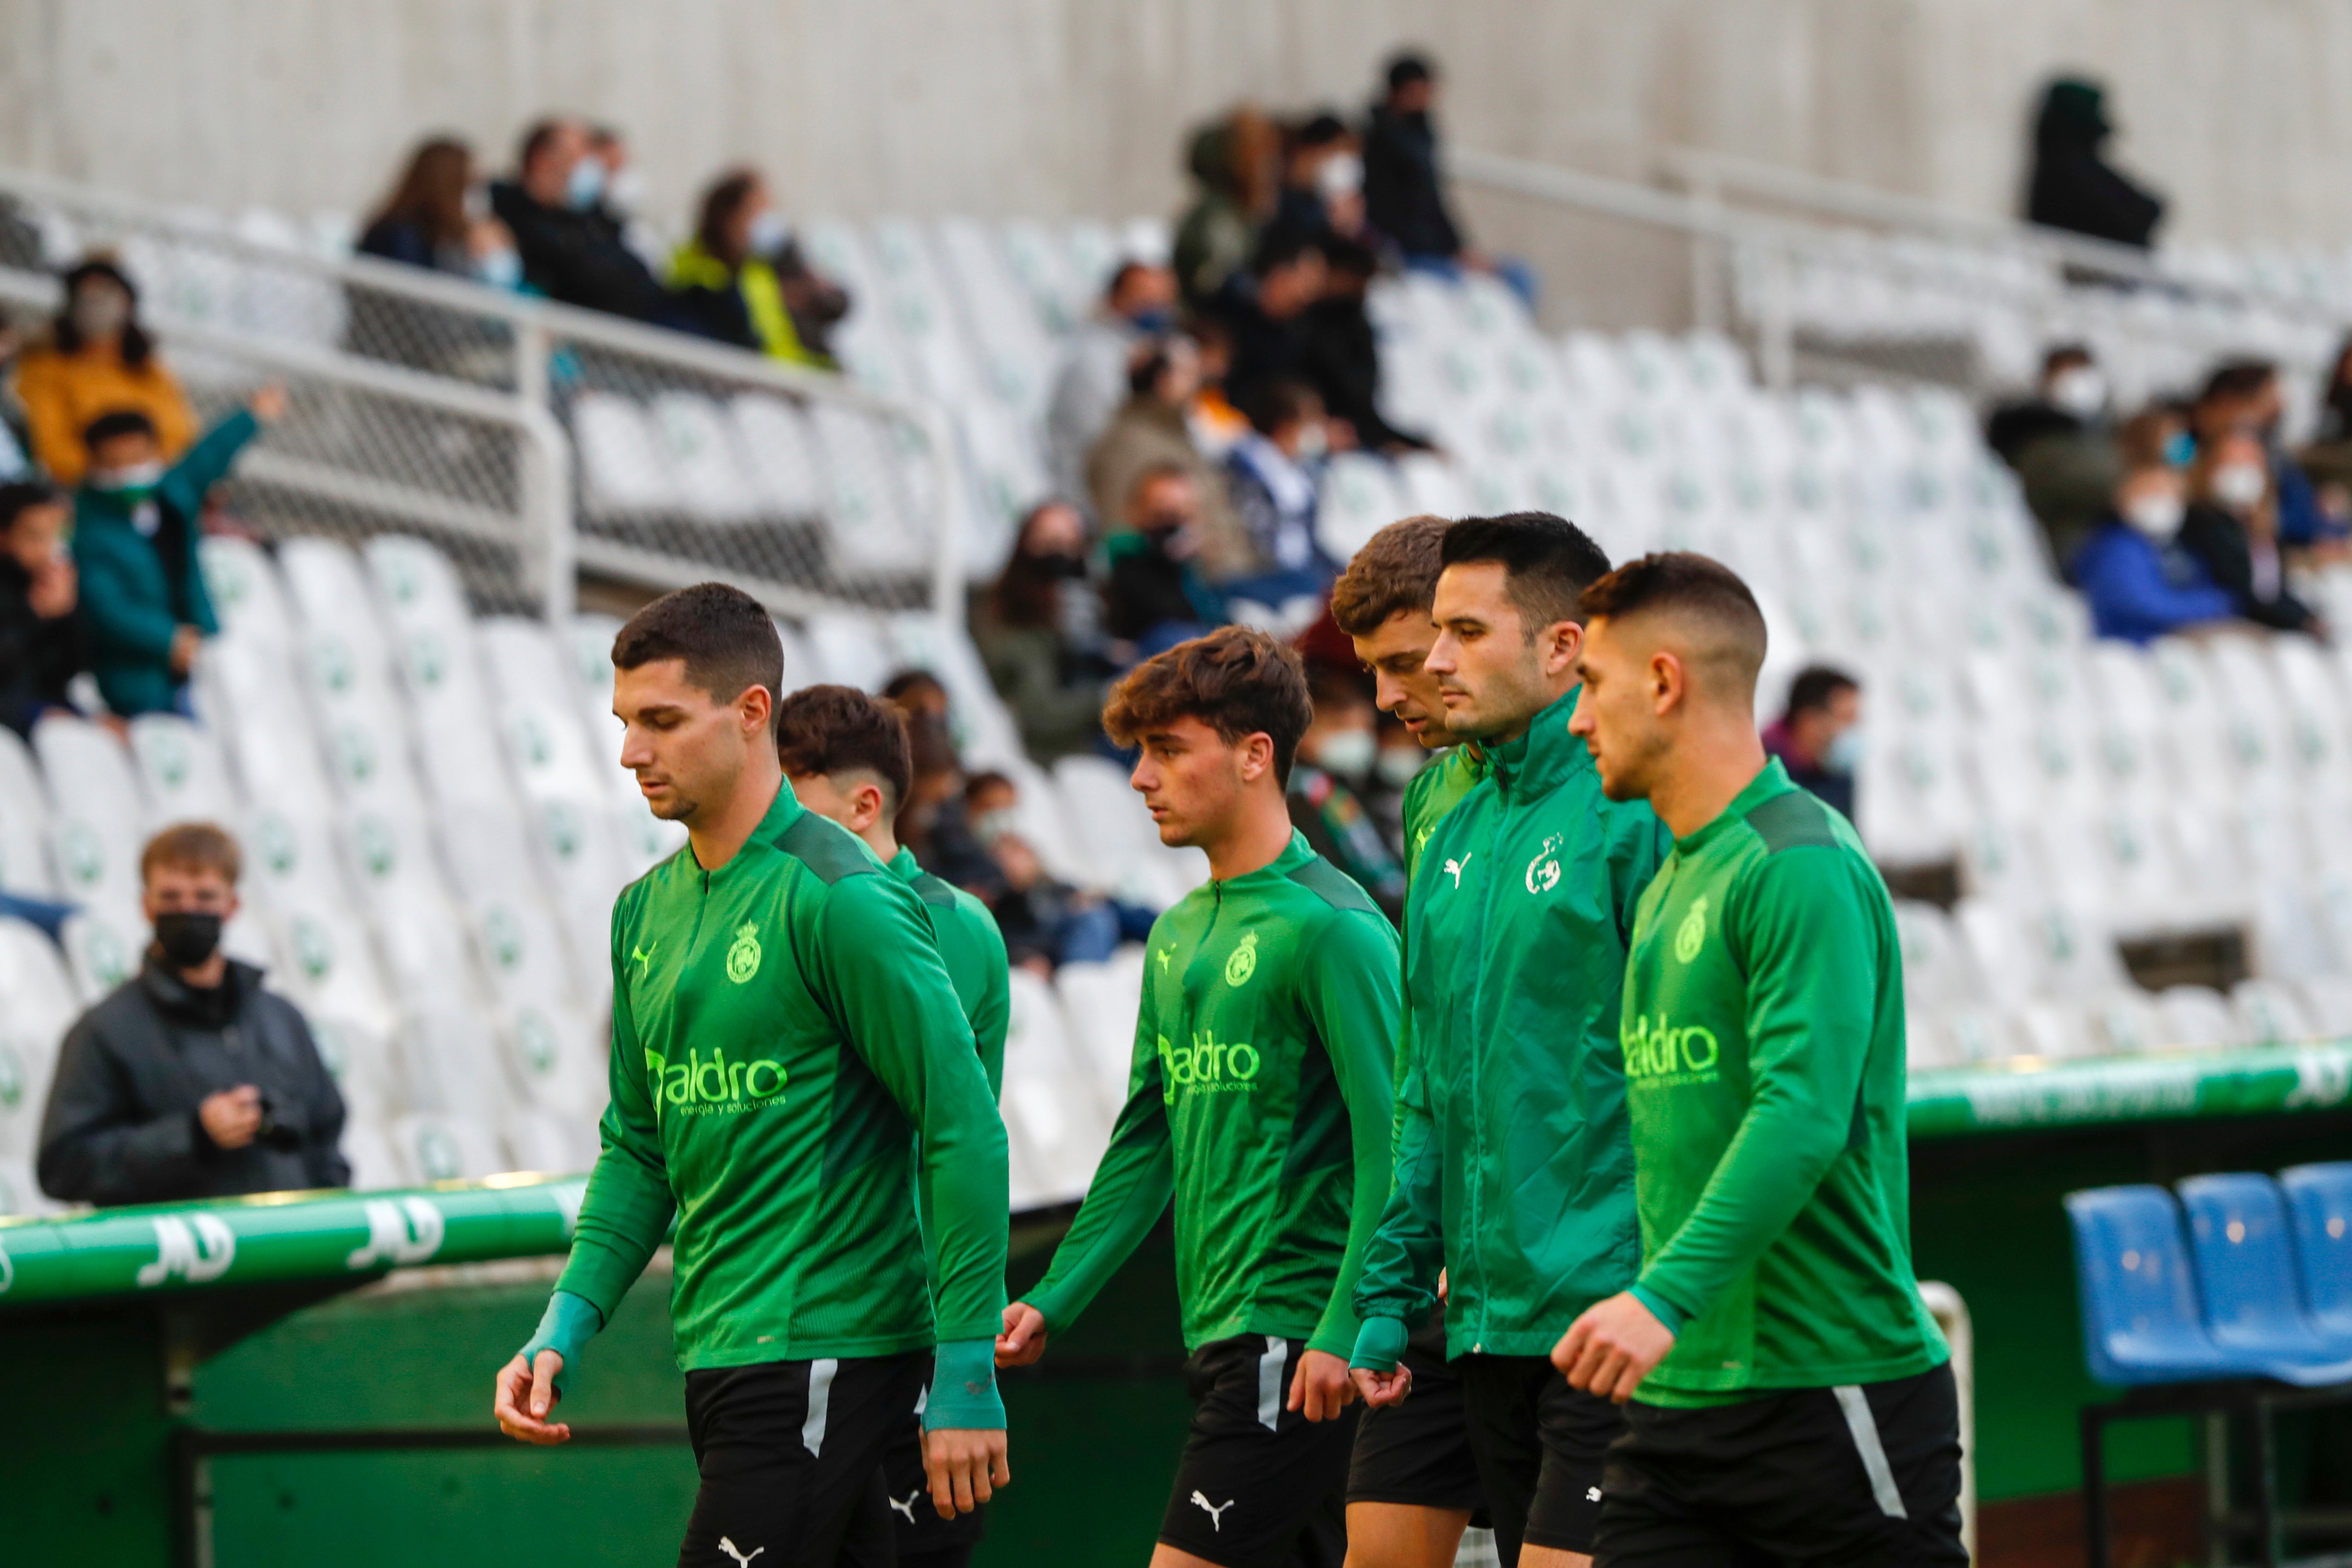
<point x="718" y="832"/>
<point x="1255" y="839"/>
<point x="1710" y="764"/>
<point x="879" y="839"/>
<point x="1519" y="724"/>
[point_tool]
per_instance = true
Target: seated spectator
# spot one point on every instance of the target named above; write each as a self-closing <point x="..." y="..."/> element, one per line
<point x="1150" y="431"/>
<point x="2134" y="574"/>
<point x="1266" y="309"/>
<point x="1817" y="737"/>
<point x="2072" y="186"/>
<point x="2231" y="526"/>
<point x="1039" y="632"/>
<point x="2069" y="396"/>
<point x="2244" y="395"/>
<point x="1319" y="161"/>
<point x="136" y="526"/>
<point x="931" y="819"/>
<point x="190" y="1080"/>
<point x="1157" y="596"/>
<point x="40" y="640"/>
<point x="2328" y="459"/>
<point x="1343" y="353"/>
<point x="741" y="279"/>
<point x="622" y="205"/>
<point x="1272" y="475"/>
<point x="97" y="359"/>
<point x="426" y="221"/>
<point x="571" y="251"/>
<point x="2062" y="449"/>
<point x="1139" y="305"/>
<point x="1334" y="768"/>
<point x="1210" y="417"/>
<point x="1405" y="191"/>
<point x="1236" y="163"/>
<point x="1045" y="923"/>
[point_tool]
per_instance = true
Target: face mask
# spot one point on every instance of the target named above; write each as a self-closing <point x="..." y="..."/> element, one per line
<point x="1342" y="174"/>
<point x="100" y="312"/>
<point x="584" y="184"/>
<point x="1055" y="564"/>
<point x="624" y="193"/>
<point x="991" y="826"/>
<point x="1157" y="322"/>
<point x="770" y="233"/>
<point x="501" y="268"/>
<point x="1349" y="753"/>
<point x="2240" y="484"/>
<point x="2157" y="516"/>
<point x="1314" y="443"/>
<point x="187" y="937"/>
<point x="134" y="483"/>
<point x="1843" y="753"/>
<point x="2080" y="390"/>
<point x="2179" y="448"/>
<point x="1399" y="765"/>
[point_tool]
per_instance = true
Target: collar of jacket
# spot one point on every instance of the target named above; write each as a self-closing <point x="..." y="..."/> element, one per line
<point x="1294" y="855"/>
<point x="782" y="813"/>
<point x="184" y="1004"/>
<point x="1544" y="757"/>
<point x="1771" y="779"/>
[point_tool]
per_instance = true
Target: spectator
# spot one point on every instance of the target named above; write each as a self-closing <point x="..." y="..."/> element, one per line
<point x="1266" y="310"/>
<point x="1343" y="353"/>
<point x="572" y="252"/>
<point x="1157" y="596"/>
<point x="427" y="220"/>
<point x="1150" y="431"/>
<point x="1818" y="738"/>
<point x="1322" y="179"/>
<point x="741" y="277"/>
<point x="931" y="819"/>
<point x="97" y="359"/>
<point x="2059" y="445"/>
<point x="190" y="1080"/>
<point x="1210" y="417"/>
<point x="1272" y="475"/>
<point x="1236" y="163"/>
<point x="41" y="641"/>
<point x="1404" y="190"/>
<point x="2139" y="580"/>
<point x="2328" y="459"/>
<point x="2072" y="187"/>
<point x="2231" y="526"/>
<point x="1334" y="768"/>
<point x="1139" y="305"/>
<point x="2244" y="395"/>
<point x="1038" y="630"/>
<point x="143" y="605"/>
<point x="2069" y="396"/>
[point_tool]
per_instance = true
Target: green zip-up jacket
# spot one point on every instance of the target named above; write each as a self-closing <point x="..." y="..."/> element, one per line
<point x="1435" y="791"/>
<point x="1514" y="1164"/>
<point x="974" y="951"/>
<point x="1763" y="1035"/>
<point x="784" y="1034"/>
<point x="1259" y="1101"/>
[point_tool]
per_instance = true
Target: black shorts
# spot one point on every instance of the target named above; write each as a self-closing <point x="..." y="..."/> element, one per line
<point x="922" y="1539"/>
<point x="1859" y="1475"/>
<point x="1259" y="1483"/>
<point x="1540" y="1445"/>
<point x="791" y="1457"/>
<point x="1418" y="1453"/>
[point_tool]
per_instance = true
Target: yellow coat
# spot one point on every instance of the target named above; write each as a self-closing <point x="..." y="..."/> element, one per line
<point x="62" y="393"/>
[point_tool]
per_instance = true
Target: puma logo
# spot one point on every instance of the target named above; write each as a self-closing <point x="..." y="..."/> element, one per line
<point x="1164" y="955"/>
<point x="642" y="957"/>
<point x="728" y="1547"/>
<point x="1455" y="868"/>
<point x="907" y="1508"/>
<point x="1215" y="1512"/>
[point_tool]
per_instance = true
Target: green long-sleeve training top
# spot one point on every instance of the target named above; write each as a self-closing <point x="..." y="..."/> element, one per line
<point x="974" y="951"/>
<point x="784" y="1038"/>
<point x="1259" y="1101"/>
<point x="1763" y="1035"/>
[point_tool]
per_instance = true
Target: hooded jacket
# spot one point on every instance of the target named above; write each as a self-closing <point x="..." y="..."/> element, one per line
<point x="1515" y="1159"/>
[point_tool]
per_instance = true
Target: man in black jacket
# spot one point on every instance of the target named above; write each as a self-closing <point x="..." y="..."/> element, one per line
<point x="190" y="1080"/>
<point x="41" y="641"/>
<point x="572" y="250"/>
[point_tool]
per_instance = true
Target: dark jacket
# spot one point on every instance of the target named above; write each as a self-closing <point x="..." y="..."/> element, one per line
<point x="2072" y="186"/>
<point x="37" y="654"/>
<point x="2014" y="427"/>
<point x="2219" y="540"/>
<point x="578" y="258"/>
<point x="1150" y="590"/>
<point x="121" y="1124"/>
<point x="1405" y="197"/>
<point x="1343" y="360"/>
<point x="139" y="587"/>
<point x="404" y="240"/>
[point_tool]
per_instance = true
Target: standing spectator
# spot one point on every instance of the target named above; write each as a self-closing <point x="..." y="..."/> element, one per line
<point x="427" y="220"/>
<point x="1151" y="430"/>
<point x="1404" y="189"/>
<point x="1267" y="308"/>
<point x="741" y="277"/>
<point x="1327" y="786"/>
<point x="2231" y="526"/>
<point x="1817" y="737"/>
<point x="1272" y="475"/>
<point x="1343" y="351"/>
<point x="97" y="359"/>
<point x="190" y="1080"/>
<point x="143" y="604"/>
<point x="571" y="251"/>
<point x="1139" y="305"/>
<point x="1237" y="164"/>
<point x="41" y="641"/>
<point x="2072" y="186"/>
<point x="2137" y="577"/>
<point x="1157" y="596"/>
<point x="1038" y="630"/>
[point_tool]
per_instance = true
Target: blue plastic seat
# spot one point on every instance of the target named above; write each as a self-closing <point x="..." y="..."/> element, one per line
<point x="2319" y="1201"/>
<point x="2140" y="1318"/>
<point x="2246" y="1277"/>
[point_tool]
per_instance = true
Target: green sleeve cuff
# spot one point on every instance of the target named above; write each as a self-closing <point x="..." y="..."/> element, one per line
<point x="963" y="1388"/>
<point x="565" y="1328"/>
<point x="1378" y="1343"/>
<point x="1665" y="1311"/>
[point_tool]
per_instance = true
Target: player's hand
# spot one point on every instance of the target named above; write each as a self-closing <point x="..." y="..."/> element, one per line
<point x="1024" y="1339"/>
<point x="1321" y="1386"/>
<point x="1612" y="1347"/>
<point x="1382" y="1389"/>
<point x="1441" y="1285"/>
<point x="526" y="1393"/>
<point x="965" y="1467"/>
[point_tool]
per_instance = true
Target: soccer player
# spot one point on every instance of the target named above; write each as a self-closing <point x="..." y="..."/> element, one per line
<point x="1259" y="1101"/>
<point x="1514" y="1164"/>
<point x="785" y="1040"/>
<point x="1791" y="1397"/>
<point x="848" y="760"/>
<point x="1413" y="1484"/>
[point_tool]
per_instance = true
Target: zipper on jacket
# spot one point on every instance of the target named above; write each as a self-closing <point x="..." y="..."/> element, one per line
<point x="1476" y="1185"/>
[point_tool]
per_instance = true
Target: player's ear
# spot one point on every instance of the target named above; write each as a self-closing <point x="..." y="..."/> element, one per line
<point x="1563" y="646"/>
<point x="1669" y="681"/>
<point x="1257" y="756"/>
<point x="756" y="709"/>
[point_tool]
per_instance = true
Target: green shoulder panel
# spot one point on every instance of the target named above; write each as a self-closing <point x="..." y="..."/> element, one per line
<point x="931" y="891"/>
<point x="1794" y="821"/>
<point x="825" y="847"/>
<point x="1333" y="886"/>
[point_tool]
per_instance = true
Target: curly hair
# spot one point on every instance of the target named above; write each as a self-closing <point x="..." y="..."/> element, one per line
<point x="1237" y="681"/>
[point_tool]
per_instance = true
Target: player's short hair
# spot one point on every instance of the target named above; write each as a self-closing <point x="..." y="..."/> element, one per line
<point x="115" y="424"/>
<point x="1238" y="681"/>
<point x="1706" y="597"/>
<point x="727" y="640"/>
<point x="1396" y="570"/>
<point x="1817" y="686"/>
<point x="835" y="729"/>
<point x="191" y="846"/>
<point x="1548" y="563"/>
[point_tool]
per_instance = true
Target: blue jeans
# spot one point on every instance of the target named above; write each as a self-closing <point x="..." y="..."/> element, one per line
<point x="1516" y="274"/>
<point x="50" y="917"/>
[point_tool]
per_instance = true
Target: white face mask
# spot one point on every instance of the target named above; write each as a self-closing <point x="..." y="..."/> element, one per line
<point x="1313" y="443"/>
<point x="137" y="477"/>
<point x="1843" y="753"/>
<point x="1341" y="175"/>
<point x="991" y="826"/>
<point x="769" y="232"/>
<point x="624" y="193"/>
<point x="500" y="268"/>
<point x="2080" y="390"/>
<point x="1349" y="753"/>
<point x="2240" y="484"/>
<point x="1399" y="765"/>
<point x="2157" y="515"/>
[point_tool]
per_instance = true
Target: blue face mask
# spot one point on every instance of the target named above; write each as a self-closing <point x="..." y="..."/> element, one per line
<point x="2179" y="448"/>
<point x="1843" y="753"/>
<point x="1154" y="323"/>
<point x="501" y="268"/>
<point x="585" y="183"/>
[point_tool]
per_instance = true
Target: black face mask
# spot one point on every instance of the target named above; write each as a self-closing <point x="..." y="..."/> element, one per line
<point x="187" y="937"/>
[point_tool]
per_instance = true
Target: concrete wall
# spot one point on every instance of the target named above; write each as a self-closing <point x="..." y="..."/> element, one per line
<point x="1077" y="105"/>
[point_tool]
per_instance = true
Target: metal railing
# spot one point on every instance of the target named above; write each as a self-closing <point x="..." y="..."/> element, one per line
<point x="531" y="439"/>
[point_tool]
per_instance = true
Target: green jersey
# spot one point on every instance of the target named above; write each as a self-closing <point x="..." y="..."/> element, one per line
<point x="1763" y="1035"/>
<point x="1259" y="1099"/>
<point x="974" y="951"/>
<point x="1434" y="792"/>
<point x="784" y="1032"/>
